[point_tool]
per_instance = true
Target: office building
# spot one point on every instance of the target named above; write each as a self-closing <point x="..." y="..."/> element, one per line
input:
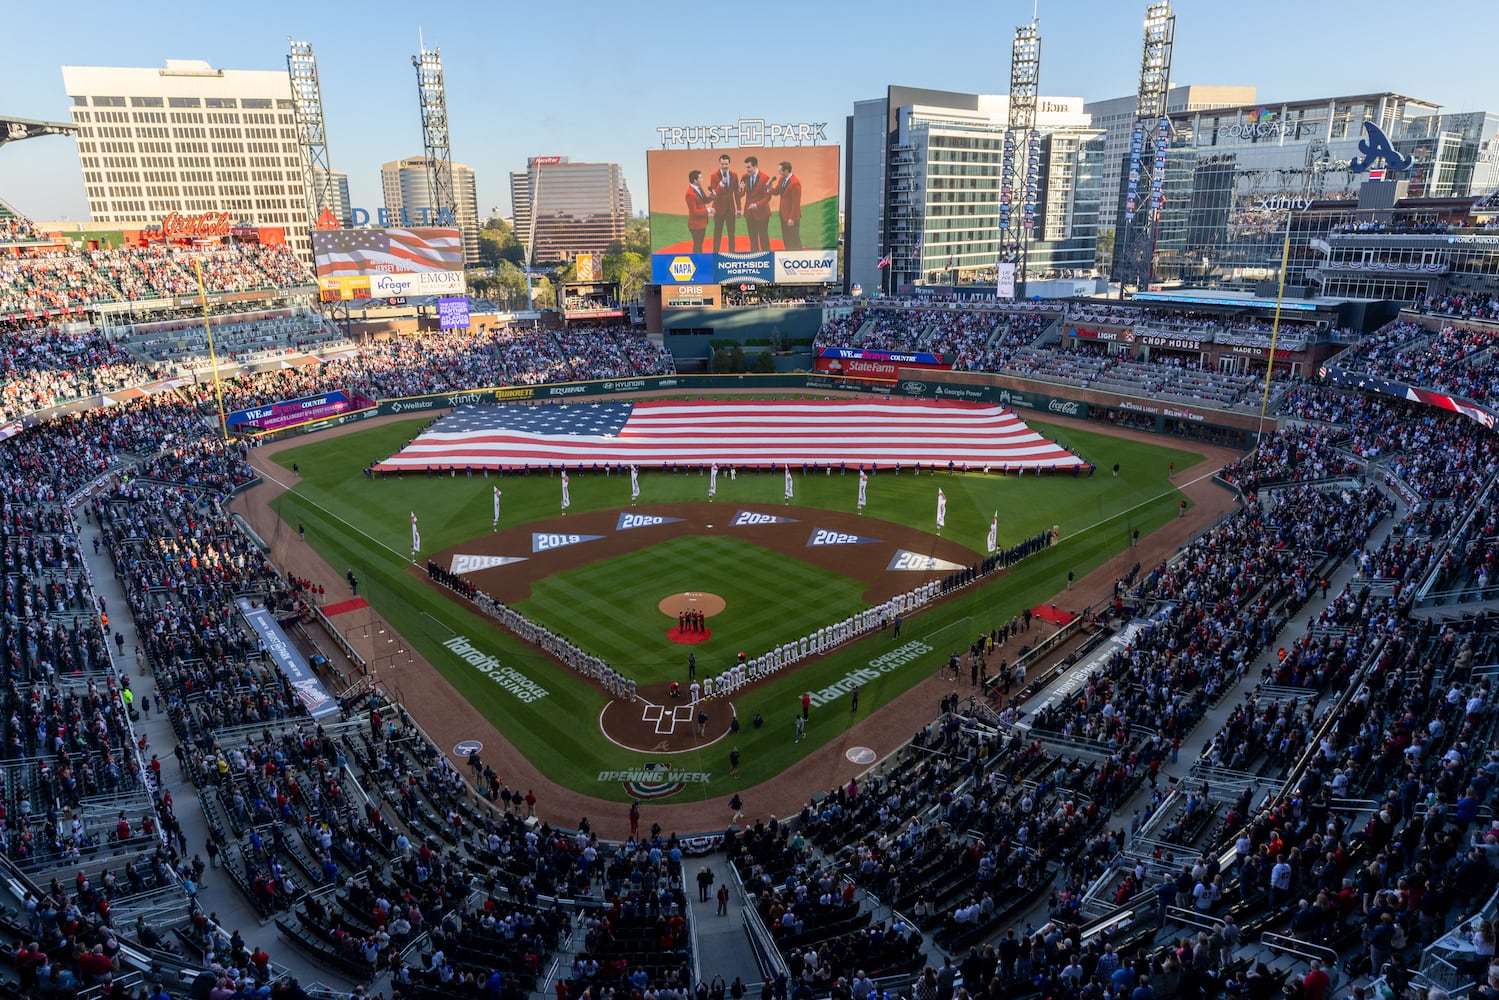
<point x="406" y="188"/>
<point x="562" y="208"/>
<point x="923" y="183"/>
<point x="343" y="205"/>
<point x="1116" y="118"/>
<point x="1238" y="179"/>
<point x="188" y="138"/>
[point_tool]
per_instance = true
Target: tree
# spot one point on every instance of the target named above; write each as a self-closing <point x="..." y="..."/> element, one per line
<point x="765" y="362"/>
<point x="637" y="240"/>
<point x="510" y="285"/>
<point x="497" y="242"/>
<point x="631" y="270"/>
<point x="543" y="293"/>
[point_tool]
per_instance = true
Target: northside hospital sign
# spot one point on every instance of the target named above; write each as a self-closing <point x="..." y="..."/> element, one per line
<point x="745" y="132"/>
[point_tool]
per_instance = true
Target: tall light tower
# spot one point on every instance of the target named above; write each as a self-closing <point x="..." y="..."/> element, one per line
<point x="1021" y="161"/>
<point x="1146" y="173"/>
<point x="312" y="135"/>
<point x="439" y="154"/>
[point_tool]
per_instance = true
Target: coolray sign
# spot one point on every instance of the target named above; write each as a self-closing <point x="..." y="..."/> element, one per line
<point x="744" y="132"/>
<point x="877" y="667"/>
<point x="754" y="268"/>
<point x="825" y="536"/>
<point x="508" y="678"/>
<point x="755" y="517"/>
<point x="806" y="266"/>
<point x="628" y="521"/>
<point x="907" y="560"/>
<point x="470" y="564"/>
<point x="545" y="541"/>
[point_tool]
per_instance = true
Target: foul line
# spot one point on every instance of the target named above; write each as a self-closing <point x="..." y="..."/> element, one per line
<point x="303" y="498"/>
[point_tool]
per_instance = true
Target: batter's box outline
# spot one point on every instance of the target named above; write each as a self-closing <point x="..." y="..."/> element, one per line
<point x="666" y="723"/>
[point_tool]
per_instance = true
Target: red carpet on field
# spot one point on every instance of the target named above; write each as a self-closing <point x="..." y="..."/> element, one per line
<point x="344" y="607"/>
<point x="688" y="637"/>
<point x="1057" y="616"/>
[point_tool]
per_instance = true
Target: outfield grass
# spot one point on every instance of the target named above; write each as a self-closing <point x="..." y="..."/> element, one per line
<point x="362" y="524"/>
<point x="609" y="607"/>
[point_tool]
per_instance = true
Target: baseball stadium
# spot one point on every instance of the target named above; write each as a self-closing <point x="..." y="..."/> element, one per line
<point x="999" y="633"/>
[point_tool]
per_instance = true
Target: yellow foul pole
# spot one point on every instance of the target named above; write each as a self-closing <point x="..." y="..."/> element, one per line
<point x="1280" y="296"/>
<point x="212" y="357"/>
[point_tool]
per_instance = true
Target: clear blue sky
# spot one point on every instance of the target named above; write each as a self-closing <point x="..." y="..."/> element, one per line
<point x="592" y="80"/>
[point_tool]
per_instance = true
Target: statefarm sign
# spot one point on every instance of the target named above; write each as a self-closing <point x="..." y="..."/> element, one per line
<point x="860" y="363"/>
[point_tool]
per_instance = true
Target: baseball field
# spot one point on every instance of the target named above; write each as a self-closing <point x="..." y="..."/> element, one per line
<point x="613" y="578"/>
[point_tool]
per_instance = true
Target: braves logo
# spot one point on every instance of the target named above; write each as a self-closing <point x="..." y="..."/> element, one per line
<point x="1378" y="147"/>
<point x="658" y="785"/>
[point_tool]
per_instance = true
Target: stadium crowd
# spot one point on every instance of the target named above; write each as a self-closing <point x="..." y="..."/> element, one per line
<point x="969" y="830"/>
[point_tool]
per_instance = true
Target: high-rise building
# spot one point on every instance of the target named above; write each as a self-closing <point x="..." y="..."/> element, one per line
<point x="405" y="186"/>
<point x="923" y="183"/>
<point x="343" y="205"/>
<point x="562" y="209"/>
<point x="190" y="139"/>
<point x="1116" y="117"/>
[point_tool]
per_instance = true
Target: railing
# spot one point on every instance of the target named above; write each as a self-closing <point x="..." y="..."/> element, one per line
<point x="1287" y="945"/>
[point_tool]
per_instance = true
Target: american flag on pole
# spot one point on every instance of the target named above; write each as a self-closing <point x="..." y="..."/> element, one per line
<point x="764" y="433"/>
<point x="882" y="262"/>
<point x="416" y="536"/>
<point x="389" y="251"/>
<point x="916" y="251"/>
<point x="941" y="509"/>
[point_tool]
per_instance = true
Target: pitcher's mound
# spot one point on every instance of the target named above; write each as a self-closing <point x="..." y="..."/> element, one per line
<point x="707" y="605"/>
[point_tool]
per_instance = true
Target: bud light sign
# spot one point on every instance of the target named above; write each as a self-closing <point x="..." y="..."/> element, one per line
<point x="452" y="314"/>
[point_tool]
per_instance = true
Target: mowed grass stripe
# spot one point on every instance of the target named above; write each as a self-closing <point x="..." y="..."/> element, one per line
<point x="556" y="732"/>
<point x="753" y="581"/>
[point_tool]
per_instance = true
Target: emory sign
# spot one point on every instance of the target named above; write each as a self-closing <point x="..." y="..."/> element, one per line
<point x="745" y="132"/>
<point x="207" y="224"/>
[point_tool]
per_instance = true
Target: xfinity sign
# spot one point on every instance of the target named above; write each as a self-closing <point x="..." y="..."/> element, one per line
<point x="744" y="132"/>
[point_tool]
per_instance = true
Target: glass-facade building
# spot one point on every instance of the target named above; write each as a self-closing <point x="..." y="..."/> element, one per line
<point x="562" y="208"/>
<point x="925" y="185"/>
<point x="1238" y="179"/>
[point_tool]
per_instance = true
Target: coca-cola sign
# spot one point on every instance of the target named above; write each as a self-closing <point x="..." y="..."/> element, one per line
<point x="207" y="224"/>
<point x="1067" y="407"/>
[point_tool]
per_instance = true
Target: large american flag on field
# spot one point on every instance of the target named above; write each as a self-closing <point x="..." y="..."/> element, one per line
<point x="391" y="251"/>
<point x="764" y="432"/>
